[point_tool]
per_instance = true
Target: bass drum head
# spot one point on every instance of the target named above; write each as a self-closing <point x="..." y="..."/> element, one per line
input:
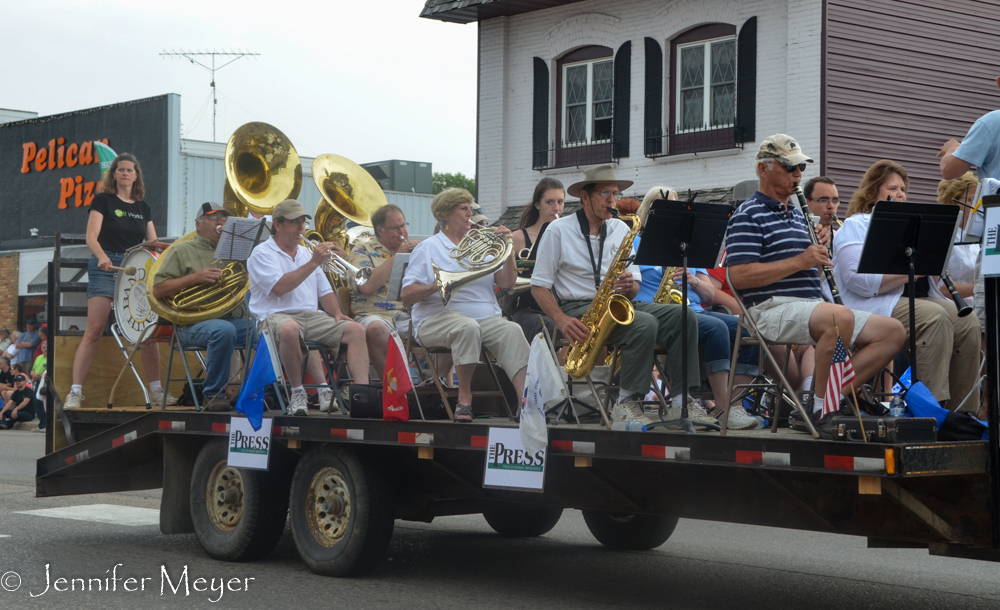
<point x="132" y="310"/>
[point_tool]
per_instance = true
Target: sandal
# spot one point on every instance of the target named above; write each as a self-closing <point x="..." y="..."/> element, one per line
<point x="463" y="413"/>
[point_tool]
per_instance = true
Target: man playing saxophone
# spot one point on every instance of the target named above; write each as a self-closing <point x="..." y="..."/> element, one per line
<point x="191" y="263"/>
<point x="572" y="264"/>
<point x="286" y="285"/>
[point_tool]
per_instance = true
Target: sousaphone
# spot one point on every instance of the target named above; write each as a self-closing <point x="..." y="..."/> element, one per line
<point x="262" y="167"/>
<point x="349" y="193"/>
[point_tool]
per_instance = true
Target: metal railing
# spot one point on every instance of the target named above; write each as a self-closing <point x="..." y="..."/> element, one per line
<point x="659" y="144"/>
<point x="571" y="155"/>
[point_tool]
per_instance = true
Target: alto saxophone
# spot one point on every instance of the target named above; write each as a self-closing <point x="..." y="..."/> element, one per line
<point x="607" y="311"/>
<point x="668" y="291"/>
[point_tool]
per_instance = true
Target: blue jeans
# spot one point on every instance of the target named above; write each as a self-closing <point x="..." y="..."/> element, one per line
<point x="8" y="420"/>
<point x="220" y="338"/>
<point x="716" y="333"/>
<point x="102" y="283"/>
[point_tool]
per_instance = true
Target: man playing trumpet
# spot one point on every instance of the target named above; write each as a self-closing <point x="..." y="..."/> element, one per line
<point x="192" y="263"/>
<point x="286" y="284"/>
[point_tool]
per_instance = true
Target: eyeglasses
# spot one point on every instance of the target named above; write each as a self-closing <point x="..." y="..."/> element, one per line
<point x="827" y="200"/>
<point x="605" y="194"/>
<point x="398" y="227"/>
<point x="791" y="168"/>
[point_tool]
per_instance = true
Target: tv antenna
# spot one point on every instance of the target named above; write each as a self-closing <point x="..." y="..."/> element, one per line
<point x="190" y="56"/>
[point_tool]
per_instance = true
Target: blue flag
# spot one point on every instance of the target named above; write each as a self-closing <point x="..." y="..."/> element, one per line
<point x="262" y="374"/>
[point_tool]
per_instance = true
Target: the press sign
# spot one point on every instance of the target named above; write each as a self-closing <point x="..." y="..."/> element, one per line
<point x="509" y="465"/>
<point x="249" y="449"/>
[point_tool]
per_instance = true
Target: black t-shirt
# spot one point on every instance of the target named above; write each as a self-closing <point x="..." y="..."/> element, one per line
<point x="18" y="397"/>
<point x="124" y="224"/>
<point x="7" y="377"/>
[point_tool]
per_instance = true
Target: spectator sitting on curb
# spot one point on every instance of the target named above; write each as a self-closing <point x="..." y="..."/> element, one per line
<point x="19" y="406"/>
<point x="6" y="375"/>
<point x="5" y="340"/>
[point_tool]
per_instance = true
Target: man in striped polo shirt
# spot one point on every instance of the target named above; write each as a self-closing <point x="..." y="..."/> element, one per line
<point x="777" y="269"/>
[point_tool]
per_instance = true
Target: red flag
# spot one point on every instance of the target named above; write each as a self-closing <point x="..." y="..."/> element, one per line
<point x="395" y="385"/>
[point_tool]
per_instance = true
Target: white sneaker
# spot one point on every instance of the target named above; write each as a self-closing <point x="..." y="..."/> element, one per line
<point x="739" y="419"/>
<point x="631" y="410"/>
<point x="298" y="404"/>
<point x="156" y="398"/>
<point x="74" y="400"/>
<point x="698" y="414"/>
<point x="326" y="402"/>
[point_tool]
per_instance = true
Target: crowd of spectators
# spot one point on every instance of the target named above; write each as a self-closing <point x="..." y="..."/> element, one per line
<point x="23" y="362"/>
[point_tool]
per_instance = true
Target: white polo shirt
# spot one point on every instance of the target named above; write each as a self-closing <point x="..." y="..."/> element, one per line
<point x="563" y="264"/>
<point x="266" y="265"/>
<point x="475" y="299"/>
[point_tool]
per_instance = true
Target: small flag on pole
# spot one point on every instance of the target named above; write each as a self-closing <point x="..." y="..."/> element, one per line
<point x="841" y="373"/>
<point x="395" y="384"/>
<point x="263" y="373"/>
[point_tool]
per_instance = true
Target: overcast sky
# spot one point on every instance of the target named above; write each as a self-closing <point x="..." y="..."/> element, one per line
<point x="366" y="79"/>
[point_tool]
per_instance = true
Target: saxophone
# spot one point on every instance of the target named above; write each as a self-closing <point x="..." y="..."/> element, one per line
<point x="668" y="291"/>
<point x="607" y="311"/>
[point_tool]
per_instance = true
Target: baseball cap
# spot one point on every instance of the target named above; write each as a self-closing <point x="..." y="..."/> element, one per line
<point x="32" y="321"/>
<point x="20" y="378"/>
<point x="211" y="208"/>
<point x="289" y="209"/>
<point x="783" y="148"/>
<point x="5" y="330"/>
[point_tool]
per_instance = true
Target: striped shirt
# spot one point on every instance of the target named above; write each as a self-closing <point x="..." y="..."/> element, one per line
<point x="762" y="231"/>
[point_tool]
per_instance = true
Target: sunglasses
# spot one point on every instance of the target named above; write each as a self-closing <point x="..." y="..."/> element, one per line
<point x="791" y="168"/>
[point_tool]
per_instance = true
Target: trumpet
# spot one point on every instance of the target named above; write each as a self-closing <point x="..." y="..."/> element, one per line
<point x="337" y="267"/>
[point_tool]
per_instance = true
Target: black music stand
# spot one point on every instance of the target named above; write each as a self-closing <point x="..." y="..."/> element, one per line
<point x="687" y="234"/>
<point x="909" y="239"/>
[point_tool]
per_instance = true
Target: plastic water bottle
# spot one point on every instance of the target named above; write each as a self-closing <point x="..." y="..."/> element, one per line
<point x="897" y="407"/>
<point x="628" y="426"/>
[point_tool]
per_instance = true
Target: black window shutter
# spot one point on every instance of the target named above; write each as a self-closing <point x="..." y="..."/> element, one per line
<point x="653" y="125"/>
<point x="746" y="81"/>
<point x="540" y="115"/>
<point x="623" y="84"/>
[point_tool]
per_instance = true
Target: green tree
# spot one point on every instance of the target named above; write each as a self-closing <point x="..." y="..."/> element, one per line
<point x="441" y="181"/>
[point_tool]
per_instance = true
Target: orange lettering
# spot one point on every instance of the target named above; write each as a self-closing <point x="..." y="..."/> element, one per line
<point x="52" y="153"/>
<point x="40" y="158"/>
<point x="61" y="152"/>
<point x="79" y="188"/>
<point x="89" y="190"/>
<point x="86" y="153"/>
<point x="65" y="190"/>
<point x="70" y="155"/>
<point x="29" y="154"/>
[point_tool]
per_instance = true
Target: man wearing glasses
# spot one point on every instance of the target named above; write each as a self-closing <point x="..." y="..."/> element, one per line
<point x="823" y="199"/>
<point x="776" y="267"/>
<point x="570" y="265"/>
<point x="370" y="304"/>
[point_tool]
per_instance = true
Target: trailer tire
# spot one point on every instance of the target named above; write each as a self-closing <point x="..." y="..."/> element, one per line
<point x="629" y="532"/>
<point x="522" y="522"/>
<point x="342" y="512"/>
<point x="238" y="514"/>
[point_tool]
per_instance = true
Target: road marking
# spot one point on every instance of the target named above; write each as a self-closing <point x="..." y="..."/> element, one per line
<point x="100" y="513"/>
<point x="4" y="536"/>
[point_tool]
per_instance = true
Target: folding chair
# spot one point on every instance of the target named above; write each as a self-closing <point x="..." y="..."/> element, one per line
<point x="784" y="390"/>
<point x="194" y="382"/>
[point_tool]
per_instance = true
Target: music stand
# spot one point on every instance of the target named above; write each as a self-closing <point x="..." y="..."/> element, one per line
<point x="909" y="239"/>
<point x="687" y="234"/>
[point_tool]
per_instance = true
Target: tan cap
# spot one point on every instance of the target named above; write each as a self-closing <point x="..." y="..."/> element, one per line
<point x="783" y="148"/>
<point x="289" y="209"/>
<point x="597" y="175"/>
<point x="479" y="215"/>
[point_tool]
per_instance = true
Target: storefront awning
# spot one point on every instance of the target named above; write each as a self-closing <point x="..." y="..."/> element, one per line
<point x="40" y="283"/>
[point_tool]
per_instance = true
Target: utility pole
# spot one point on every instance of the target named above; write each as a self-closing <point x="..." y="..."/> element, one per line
<point x="190" y="56"/>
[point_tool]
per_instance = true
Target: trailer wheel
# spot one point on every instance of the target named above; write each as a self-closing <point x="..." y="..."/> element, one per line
<point x="629" y="532"/>
<point x="522" y="522"/>
<point x="238" y="514"/>
<point x="342" y="512"/>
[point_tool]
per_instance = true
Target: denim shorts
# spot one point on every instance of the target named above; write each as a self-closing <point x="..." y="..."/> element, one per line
<point x="102" y="283"/>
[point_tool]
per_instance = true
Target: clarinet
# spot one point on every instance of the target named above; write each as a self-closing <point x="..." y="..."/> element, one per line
<point x="801" y="202"/>
<point x="964" y="308"/>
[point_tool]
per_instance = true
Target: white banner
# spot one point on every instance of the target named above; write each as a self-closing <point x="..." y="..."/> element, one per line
<point x="249" y="449"/>
<point x="991" y="247"/>
<point x="509" y="465"/>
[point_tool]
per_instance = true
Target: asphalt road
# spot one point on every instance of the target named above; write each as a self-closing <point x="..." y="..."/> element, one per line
<point x="458" y="562"/>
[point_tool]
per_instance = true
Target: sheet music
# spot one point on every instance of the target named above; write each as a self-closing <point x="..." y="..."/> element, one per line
<point x="239" y="237"/>
<point x="399" y="264"/>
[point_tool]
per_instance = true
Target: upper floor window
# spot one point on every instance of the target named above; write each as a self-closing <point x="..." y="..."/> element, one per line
<point x="706" y="92"/>
<point x="589" y="88"/>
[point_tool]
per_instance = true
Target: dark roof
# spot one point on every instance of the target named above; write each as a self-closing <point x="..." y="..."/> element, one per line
<point x="467" y="11"/>
<point x="511" y="218"/>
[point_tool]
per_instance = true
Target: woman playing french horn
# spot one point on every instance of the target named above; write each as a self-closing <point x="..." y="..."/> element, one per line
<point x="471" y="318"/>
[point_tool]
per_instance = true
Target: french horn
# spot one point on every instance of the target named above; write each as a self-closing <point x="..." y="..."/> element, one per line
<point x="481" y="252"/>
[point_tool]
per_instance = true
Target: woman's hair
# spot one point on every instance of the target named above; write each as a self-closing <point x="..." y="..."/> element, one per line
<point x="531" y="214"/>
<point x="445" y="202"/>
<point x="956" y="189"/>
<point x="865" y="198"/>
<point x="654" y="194"/>
<point x="17" y="367"/>
<point x="109" y="185"/>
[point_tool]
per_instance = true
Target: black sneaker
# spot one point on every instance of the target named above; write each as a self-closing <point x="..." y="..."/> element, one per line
<point x="822" y="424"/>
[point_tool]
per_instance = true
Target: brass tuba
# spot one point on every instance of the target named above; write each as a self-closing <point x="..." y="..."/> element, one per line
<point x="481" y="252"/>
<point x="608" y="310"/>
<point x="262" y="167"/>
<point x="349" y="193"/>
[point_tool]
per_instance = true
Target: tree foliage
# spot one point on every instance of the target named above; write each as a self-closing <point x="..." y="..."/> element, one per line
<point x="441" y="181"/>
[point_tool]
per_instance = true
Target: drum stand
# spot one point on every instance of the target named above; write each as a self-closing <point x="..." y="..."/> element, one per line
<point x="129" y="352"/>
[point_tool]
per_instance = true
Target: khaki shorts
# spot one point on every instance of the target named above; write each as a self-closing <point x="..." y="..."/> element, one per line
<point x="367" y="321"/>
<point x="785" y="320"/>
<point x="315" y="326"/>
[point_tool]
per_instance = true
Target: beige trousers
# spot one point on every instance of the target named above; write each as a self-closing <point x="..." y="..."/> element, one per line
<point x="465" y="337"/>
<point x="947" y="349"/>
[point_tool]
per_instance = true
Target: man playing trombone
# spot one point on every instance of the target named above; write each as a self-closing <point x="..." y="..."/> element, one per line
<point x="191" y="263"/>
<point x="286" y="284"/>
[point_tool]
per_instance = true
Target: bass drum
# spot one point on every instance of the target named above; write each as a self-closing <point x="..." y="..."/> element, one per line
<point x="132" y="311"/>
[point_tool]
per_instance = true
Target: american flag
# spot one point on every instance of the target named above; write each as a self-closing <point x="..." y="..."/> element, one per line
<point x="841" y="373"/>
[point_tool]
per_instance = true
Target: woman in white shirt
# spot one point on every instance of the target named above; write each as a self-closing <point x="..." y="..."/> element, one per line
<point x="962" y="264"/>
<point x="472" y="317"/>
<point x="947" y="346"/>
